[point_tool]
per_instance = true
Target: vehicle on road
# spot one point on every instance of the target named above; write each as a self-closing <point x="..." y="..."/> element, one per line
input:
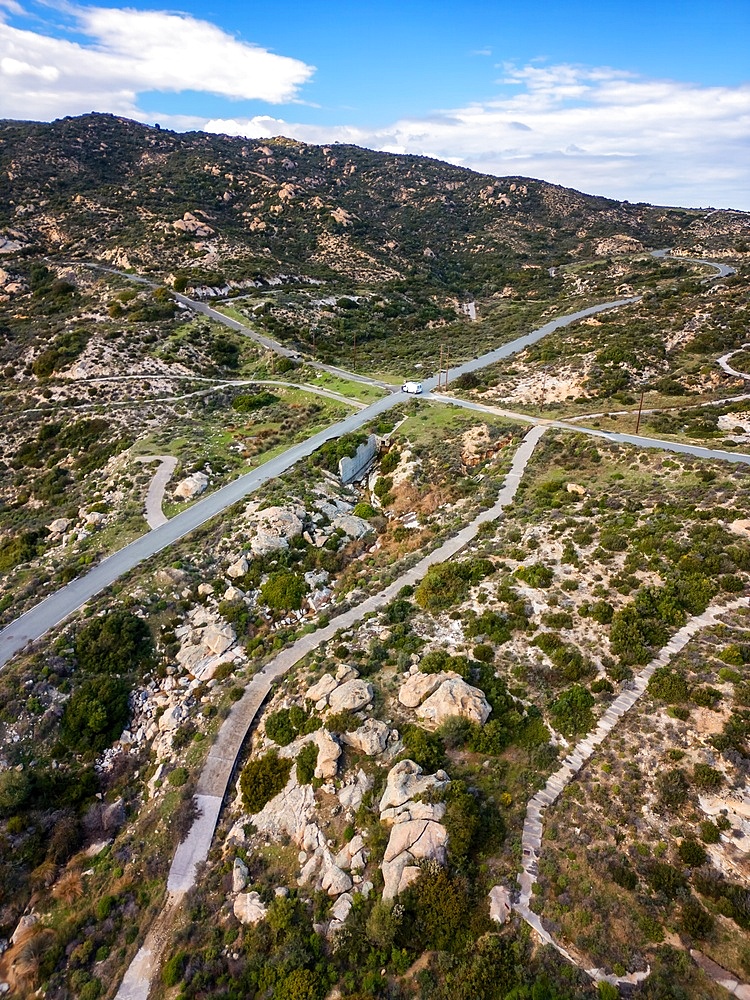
<point x="413" y="388"/>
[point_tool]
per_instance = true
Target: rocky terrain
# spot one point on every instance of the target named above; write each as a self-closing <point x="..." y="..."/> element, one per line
<point x="370" y="842"/>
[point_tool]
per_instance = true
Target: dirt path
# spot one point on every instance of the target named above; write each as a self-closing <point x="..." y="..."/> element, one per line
<point x="220" y="763"/>
<point x="531" y="839"/>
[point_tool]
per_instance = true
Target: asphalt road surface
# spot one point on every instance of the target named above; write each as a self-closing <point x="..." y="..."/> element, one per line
<point x="55" y="608"/>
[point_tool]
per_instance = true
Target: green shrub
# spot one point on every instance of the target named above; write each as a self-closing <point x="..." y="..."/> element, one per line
<point x="672" y="788"/>
<point x="695" y="920"/>
<point x="247" y="403"/>
<point x="95" y="714"/>
<point x="707" y="778"/>
<point x="424" y="748"/>
<point x="307" y="760"/>
<point x="447" y="584"/>
<point x="173" y="969"/>
<point x="116" y="643"/>
<point x="364" y="509"/>
<point x="692" y="853"/>
<point x="178" y="777"/>
<point x="536" y="575"/>
<point x="571" y="711"/>
<point x="263" y="779"/>
<point x="284" y="591"/>
<point x="668" y="685"/>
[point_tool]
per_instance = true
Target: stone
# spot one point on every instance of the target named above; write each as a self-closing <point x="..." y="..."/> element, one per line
<point x="113" y="816"/>
<point x="172" y="718"/>
<point x="218" y="638"/>
<point x="240" y="875"/>
<point x="371" y="738"/>
<point x="249" y="908"/>
<point x="411" y="811"/>
<point x="233" y="594"/>
<point x="321" y="689"/>
<point x="274" y="527"/>
<point x="59" y="526"/>
<point x="329" y="752"/>
<point x="205" y="590"/>
<point x="288" y="813"/>
<point x="335" y="881"/>
<point x="351" y="696"/>
<point x="191" y="486"/>
<point x="422" y="838"/>
<point x="418" y="686"/>
<point x="455" y="697"/>
<point x="500" y="905"/>
<point x="238" y="569"/>
<point x="23" y="928"/>
<point x="354" y="527"/>
<point x="352" y="793"/>
<point x="576" y="488"/>
<point x="342" y="907"/>
<point x="406" y="781"/>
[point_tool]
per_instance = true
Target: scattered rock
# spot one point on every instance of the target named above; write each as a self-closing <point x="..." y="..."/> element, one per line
<point x="329" y="752"/>
<point x="335" y="881"/>
<point x="355" y="789"/>
<point x="238" y="568"/>
<point x="240" y="875"/>
<point x="419" y="686"/>
<point x="249" y="908"/>
<point x="406" y="781"/>
<point x="353" y="526"/>
<point x="321" y="689"/>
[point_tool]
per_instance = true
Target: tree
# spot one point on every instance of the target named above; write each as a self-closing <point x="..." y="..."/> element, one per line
<point x="116" y="643"/>
<point x="572" y="711"/>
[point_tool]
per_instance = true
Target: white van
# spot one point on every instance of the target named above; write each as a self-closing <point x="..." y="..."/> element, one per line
<point x="413" y="388"/>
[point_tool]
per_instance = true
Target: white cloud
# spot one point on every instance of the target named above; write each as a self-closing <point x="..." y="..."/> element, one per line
<point x="130" y="52"/>
<point x="600" y="130"/>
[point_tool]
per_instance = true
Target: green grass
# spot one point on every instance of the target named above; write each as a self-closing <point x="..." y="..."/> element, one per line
<point x="345" y="387"/>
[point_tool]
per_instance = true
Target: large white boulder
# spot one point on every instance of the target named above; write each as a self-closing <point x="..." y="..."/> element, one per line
<point x="329" y="752"/>
<point x="352" y="526"/>
<point x="351" y="696"/>
<point x="371" y="738"/>
<point x="274" y="527"/>
<point x="249" y="908"/>
<point x="500" y="905"/>
<point x="288" y="813"/>
<point x="406" y="781"/>
<point x="417" y="687"/>
<point x="191" y="486"/>
<point x="321" y="689"/>
<point x="455" y="697"/>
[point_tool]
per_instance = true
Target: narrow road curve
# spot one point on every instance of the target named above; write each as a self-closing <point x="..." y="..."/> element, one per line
<point x="220" y="763"/>
<point x="723" y="362"/>
<point x="722" y="270"/>
<point x="531" y="839"/>
<point x="59" y="605"/>
<point x="153" y="512"/>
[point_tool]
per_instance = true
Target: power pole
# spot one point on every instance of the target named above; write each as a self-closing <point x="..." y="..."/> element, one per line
<point x="640" y="410"/>
<point x="355" y="351"/>
<point x="440" y="370"/>
<point x="446" y="368"/>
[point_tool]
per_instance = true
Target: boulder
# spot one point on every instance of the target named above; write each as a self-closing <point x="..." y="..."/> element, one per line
<point x="113" y="815"/>
<point x="288" y="813"/>
<point x="422" y="838"/>
<point x="59" y="526"/>
<point x="417" y="687"/>
<point x="24" y="927"/>
<point x="274" y="527"/>
<point x="355" y="789"/>
<point x="352" y="526"/>
<point x="335" y="881"/>
<point x="205" y="590"/>
<point x="218" y="638"/>
<point x="240" y="875"/>
<point x="329" y="752"/>
<point x="411" y="811"/>
<point x="410" y="874"/>
<point x="238" y="568"/>
<point x="342" y="907"/>
<point x="370" y="739"/>
<point x="172" y="718"/>
<point x="406" y="781"/>
<point x="249" y="908"/>
<point x="351" y="696"/>
<point x="455" y="697"/>
<point x="191" y="486"/>
<point x="321" y="689"/>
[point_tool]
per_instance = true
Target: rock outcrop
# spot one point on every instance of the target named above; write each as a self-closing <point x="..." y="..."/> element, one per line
<point x="371" y="738"/>
<point x="249" y="908"/>
<point x="351" y="696"/>
<point x="191" y="486"/>
<point x="455" y="697"/>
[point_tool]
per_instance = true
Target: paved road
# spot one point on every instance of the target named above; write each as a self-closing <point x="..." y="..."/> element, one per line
<point x="723" y="362"/>
<point x="722" y="270"/>
<point x="217" y="770"/>
<point x="154" y="498"/>
<point x="58" y="606"/>
<point x="531" y="839"/>
<point x="616" y="438"/>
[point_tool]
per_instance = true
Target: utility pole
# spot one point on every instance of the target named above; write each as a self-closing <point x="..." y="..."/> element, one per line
<point x="355" y="351"/>
<point x="446" y="368"/>
<point x="440" y="369"/>
<point x="640" y="410"/>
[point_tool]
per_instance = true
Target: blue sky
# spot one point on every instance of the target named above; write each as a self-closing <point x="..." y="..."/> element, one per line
<point x="644" y="101"/>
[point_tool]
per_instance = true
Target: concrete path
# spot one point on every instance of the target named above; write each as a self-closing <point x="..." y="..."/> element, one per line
<point x="531" y="838"/>
<point x="222" y="758"/>
<point x="154" y="498"/>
